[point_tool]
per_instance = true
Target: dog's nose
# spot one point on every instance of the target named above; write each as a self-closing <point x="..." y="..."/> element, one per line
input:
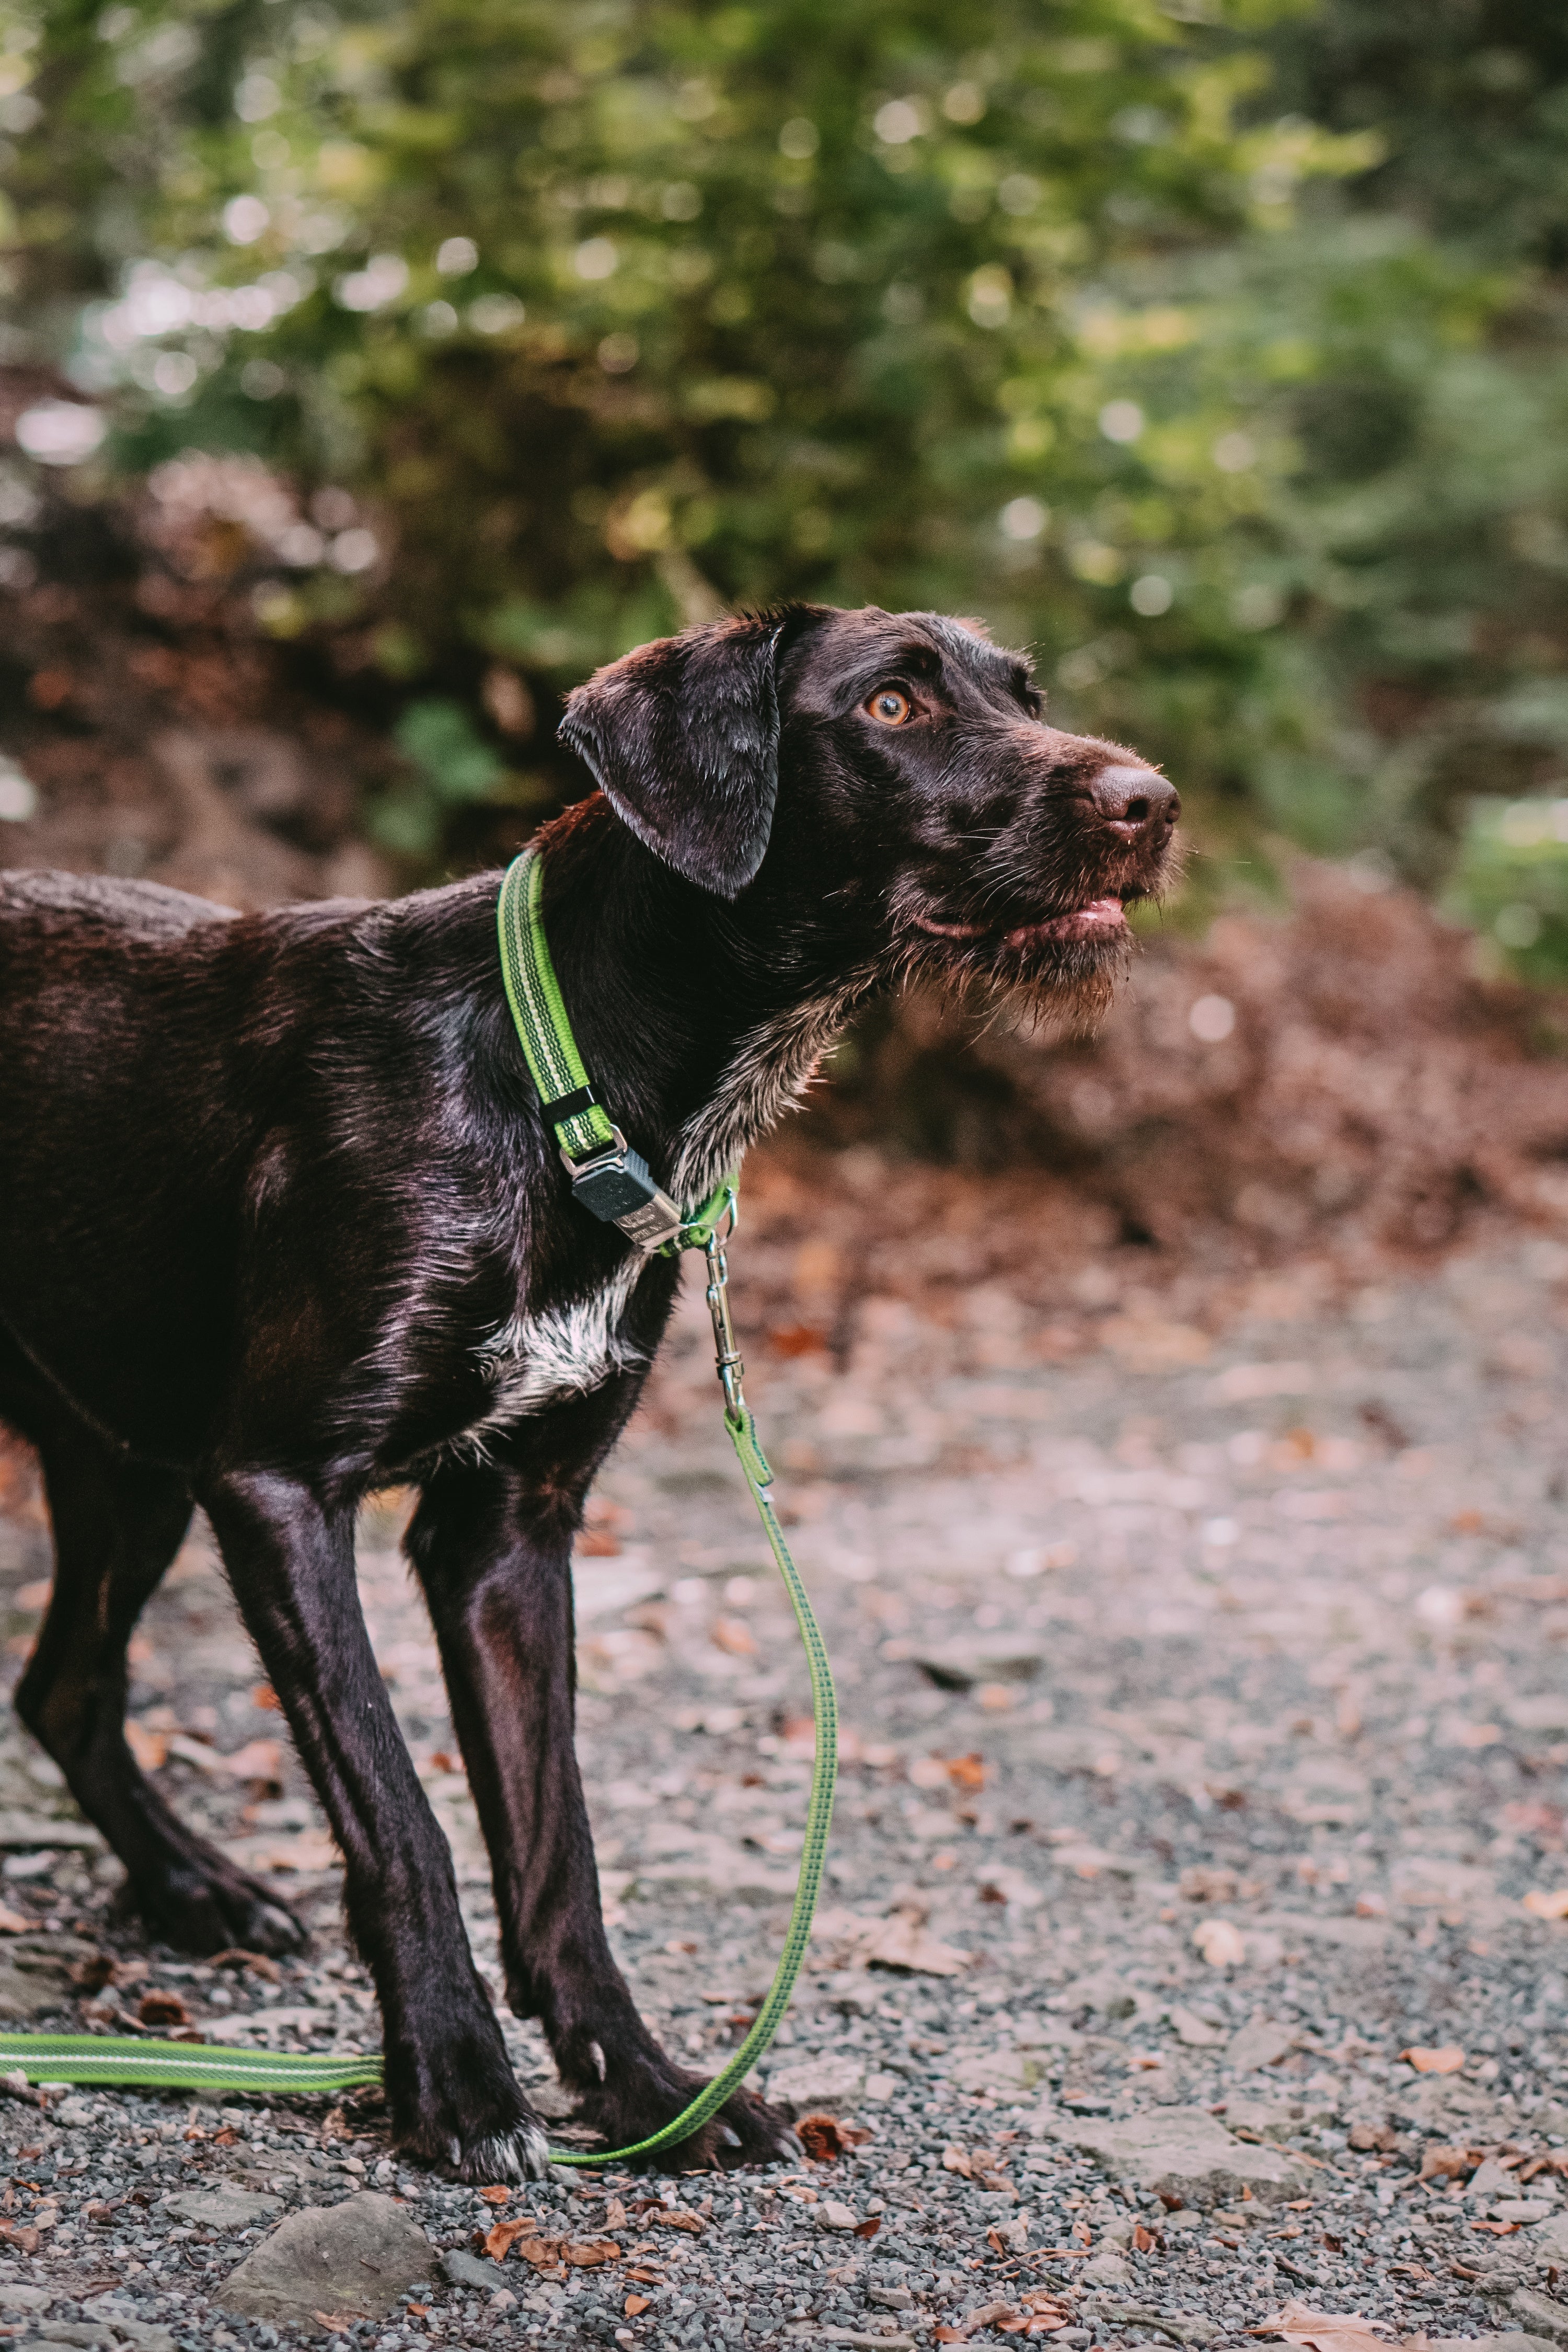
<point x="1136" y="800"/>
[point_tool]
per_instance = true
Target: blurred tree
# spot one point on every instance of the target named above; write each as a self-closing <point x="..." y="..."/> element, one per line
<point x="1206" y="348"/>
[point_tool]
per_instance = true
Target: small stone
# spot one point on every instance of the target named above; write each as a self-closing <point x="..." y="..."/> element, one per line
<point x="827" y="2082"/>
<point x="1184" y="2152"/>
<point x="354" y="2258"/>
<point x="892" y="2298"/>
<point x="225" y="2208"/>
<point x="833" y="2216"/>
<point x="502" y="2300"/>
<point x="27" y="1833"/>
<point x="1489" y="2180"/>
<point x="1276" y="2119"/>
<point x="1515" y="2342"/>
<point x="1548" y="2242"/>
<point x="997" y="1658"/>
<point x="1540" y="2314"/>
<point x="461" y="2269"/>
<point x="1260" y="2042"/>
<point x="25" y="2298"/>
<point x="1194" y="2031"/>
<point x="1107" y="2268"/>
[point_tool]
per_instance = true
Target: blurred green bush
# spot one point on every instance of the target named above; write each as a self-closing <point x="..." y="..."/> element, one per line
<point x="1510" y="883"/>
<point x="1215" y="349"/>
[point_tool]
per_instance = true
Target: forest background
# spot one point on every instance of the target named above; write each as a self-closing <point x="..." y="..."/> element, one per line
<point x="418" y="356"/>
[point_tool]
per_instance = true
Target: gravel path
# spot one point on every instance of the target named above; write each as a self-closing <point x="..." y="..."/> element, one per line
<point x="1206" y="1729"/>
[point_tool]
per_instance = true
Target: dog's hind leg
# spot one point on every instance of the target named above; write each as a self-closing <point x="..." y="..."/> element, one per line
<point x="454" y="2096"/>
<point x="493" y="1547"/>
<point x="116" y="1526"/>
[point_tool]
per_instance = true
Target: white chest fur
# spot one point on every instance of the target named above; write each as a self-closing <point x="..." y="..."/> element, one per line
<point x="537" y="1359"/>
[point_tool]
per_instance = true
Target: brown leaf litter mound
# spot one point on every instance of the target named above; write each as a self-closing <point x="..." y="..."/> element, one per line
<point x="1337" y="1081"/>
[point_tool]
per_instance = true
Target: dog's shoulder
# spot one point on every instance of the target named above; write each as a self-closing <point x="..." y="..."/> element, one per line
<point x="145" y="910"/>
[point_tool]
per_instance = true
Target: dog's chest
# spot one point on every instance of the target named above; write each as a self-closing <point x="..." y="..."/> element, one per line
<point x="536" y="1360"/>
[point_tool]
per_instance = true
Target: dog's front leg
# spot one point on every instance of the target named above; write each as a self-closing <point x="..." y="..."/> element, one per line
<point x="454" y="2097"/>
<point x="493" y="1549"/>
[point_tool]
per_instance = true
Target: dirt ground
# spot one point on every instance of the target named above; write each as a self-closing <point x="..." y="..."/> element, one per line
<point x="1192" y="1947"/>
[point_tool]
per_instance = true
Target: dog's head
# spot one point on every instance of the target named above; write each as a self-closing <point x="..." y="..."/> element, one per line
<point x="887" y="782"/>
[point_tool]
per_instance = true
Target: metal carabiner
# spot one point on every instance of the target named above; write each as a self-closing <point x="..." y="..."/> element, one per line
<point x="727" y="1355"/>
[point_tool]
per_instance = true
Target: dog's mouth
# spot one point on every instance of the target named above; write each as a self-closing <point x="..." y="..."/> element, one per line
<point x="1097" y="919"/>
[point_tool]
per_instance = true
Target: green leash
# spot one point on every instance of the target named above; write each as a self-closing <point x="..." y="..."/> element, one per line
<point x="616" y="1184"/>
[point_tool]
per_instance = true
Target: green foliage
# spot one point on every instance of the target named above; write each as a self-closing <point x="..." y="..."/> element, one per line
<point x="1214" y="350"/>
<point x="1511" y="882"/>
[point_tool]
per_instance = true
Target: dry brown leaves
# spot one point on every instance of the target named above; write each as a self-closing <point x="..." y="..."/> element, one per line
<point x="1445" y="2061"/>
<point x="825" y="2137"/>
<point x="1041" y="2312"/>
<point x="1451" y="2163"/>
<point x="1325" y="2331"/>
<point x="162" y="2008"/>
<point x="548" y="2254"/>
<point x="986" y="2166"/>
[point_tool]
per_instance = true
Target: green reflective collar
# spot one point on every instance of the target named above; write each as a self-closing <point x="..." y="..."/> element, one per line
<point x="611" y="1181"/>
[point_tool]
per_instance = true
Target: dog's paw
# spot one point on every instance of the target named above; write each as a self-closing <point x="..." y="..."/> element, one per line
<point x="479" y="2131"/>
<point x="641" y="2098"/>
<point x="520" y="2153"/>
<point x="220" y="1909"/>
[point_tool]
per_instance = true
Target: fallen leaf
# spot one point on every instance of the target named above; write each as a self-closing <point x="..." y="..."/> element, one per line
<point x="1222" y="1945"/>
<point x="966" y="1771"/>
<point x="614" y="2214"/>
<point x="265" y="1699"/>
<point x="676" y="2217"/>
<point x="948" y="2335"/>
<point x="151" y="1749"/>
<point x="91" y="1975"/>
<point x="636" y="2304"/>
<point x="1548" y="1906"/>
<point x="1453" y="2163"/>
<point x="1325" y="2331"/>
<point x="1447" y="2060"/>
<point x="989" y="2314"/>
<point x="260" y="1963"/>
<point x="822" y="2137"/>
<point x="495" y="2196"/>
<point x="500" y="2239"/>
<point x="734" y="1636"/>
<point x="797" y="1339"/>
<point x="543" y="2253"/>
<point x="905" y="1942"/>
<point x="588" y="2254"/>
<point x="162" y="2008"/>
<point x="598" y="1543"/>
<point x="956" y="2159"/>
<point x="13" y="1923"/>
<point x="1143" y="2239"/>
<point x="870" y="2228"/>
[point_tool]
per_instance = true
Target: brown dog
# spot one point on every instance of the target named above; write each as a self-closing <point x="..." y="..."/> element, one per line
<point x="279" y="1223"/>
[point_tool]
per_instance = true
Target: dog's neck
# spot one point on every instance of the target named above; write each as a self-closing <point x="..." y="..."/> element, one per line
<point x="701" y="1022"/>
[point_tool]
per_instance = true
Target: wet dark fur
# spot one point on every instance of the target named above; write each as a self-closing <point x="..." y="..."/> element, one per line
<point x="272" y="1185"/>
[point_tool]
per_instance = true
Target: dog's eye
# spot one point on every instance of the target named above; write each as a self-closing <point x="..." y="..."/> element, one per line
<point x="890" y="705"/>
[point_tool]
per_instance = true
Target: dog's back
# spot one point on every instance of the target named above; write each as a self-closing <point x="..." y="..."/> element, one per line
<point x="112" y="1115"/>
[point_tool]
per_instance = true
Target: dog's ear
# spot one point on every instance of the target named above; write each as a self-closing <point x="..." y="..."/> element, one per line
<point x="682" y="737"/>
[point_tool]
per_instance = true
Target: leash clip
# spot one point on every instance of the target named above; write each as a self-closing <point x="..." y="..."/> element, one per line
<point x="727" y="1355"/>
<point x="617" y="1186"/>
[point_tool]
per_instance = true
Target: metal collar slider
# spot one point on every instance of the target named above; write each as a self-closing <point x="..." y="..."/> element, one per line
<point x="617" y="1186"/>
